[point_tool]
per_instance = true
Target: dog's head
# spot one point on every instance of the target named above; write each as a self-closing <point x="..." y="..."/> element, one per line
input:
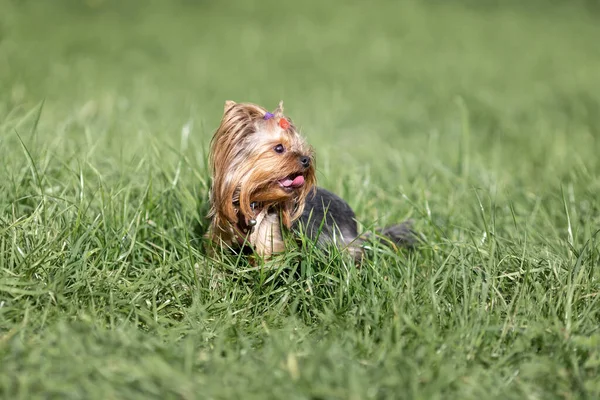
<point x="258" y="158"/>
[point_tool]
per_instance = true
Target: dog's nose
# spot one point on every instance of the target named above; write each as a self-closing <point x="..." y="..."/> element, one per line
<point x="305" y="161"/>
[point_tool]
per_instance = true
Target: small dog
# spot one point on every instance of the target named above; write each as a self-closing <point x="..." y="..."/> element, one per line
<point x="263" y="182"/>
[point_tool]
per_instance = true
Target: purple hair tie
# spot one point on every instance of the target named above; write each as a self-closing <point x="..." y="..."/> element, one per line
<point x="268" y="115"/>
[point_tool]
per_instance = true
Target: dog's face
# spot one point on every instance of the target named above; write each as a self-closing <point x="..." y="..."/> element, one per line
<point x="259" y="157"/>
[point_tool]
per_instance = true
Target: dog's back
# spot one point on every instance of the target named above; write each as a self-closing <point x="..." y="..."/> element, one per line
<point x="329" y="220"/>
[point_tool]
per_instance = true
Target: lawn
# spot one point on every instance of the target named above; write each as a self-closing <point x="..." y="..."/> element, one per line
<point x="480" y="120"/>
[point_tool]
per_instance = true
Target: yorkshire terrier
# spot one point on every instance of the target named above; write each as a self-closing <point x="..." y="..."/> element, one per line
<point x="264" y="183"/>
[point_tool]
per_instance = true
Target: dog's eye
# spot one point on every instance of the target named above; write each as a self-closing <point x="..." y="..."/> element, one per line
<point x="279" y="148"/>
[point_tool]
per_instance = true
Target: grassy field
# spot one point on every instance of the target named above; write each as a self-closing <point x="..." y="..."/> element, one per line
<point x="478" y="120"/>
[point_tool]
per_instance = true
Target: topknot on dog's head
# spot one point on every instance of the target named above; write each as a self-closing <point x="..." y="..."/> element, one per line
<point x="279" y="110"/>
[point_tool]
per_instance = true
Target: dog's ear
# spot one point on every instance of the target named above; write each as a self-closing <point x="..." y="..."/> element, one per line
<point x="228" y="105"/>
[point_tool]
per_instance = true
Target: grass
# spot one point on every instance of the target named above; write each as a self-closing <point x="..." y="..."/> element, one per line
<point x="478" y="120"/>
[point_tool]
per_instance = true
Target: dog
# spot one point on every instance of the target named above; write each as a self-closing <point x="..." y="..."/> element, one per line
<point x="264" y="183"/>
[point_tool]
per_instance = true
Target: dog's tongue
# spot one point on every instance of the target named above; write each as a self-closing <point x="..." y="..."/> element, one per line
<point x="297" y="182"/>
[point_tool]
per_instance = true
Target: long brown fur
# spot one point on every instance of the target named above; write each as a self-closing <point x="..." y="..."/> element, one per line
<point x="246" y="170"/>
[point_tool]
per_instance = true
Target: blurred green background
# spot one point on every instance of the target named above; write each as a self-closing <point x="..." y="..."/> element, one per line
<point x="479" y="119"/>
<point x="402" y="88"/>
<point x="361" y="79"/>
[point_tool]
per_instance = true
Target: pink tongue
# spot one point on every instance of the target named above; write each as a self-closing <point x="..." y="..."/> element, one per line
<point x="298" y="181"/>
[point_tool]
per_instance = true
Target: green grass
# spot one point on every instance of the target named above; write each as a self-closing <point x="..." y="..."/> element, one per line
<point x="480" y="121"/>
